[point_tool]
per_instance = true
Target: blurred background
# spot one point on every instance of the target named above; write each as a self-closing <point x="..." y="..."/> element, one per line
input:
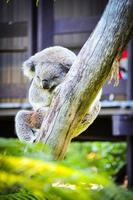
<point x="27" y="27"/>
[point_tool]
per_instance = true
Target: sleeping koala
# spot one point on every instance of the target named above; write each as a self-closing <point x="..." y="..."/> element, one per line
<point x="47" y="69"/>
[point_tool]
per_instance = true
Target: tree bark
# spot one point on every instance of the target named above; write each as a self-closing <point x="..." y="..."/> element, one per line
<point x="86" y="77"/>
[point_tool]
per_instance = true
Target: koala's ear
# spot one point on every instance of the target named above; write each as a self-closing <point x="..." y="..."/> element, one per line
<point x="29" y="69"/>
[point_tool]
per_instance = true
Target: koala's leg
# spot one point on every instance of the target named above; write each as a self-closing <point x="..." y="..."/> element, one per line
<point x="27" y="123"/>
<point x="24" y="130"/>
<point x="88" y="119"/>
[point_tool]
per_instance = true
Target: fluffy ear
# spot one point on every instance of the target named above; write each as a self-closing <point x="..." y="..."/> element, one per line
<point x="28" y="68"/>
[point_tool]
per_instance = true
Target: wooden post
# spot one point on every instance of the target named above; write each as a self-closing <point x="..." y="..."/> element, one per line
<point x="45" y="24"/>
<point x="130" y="161"/>
<point x="130" y="97"/>
<point x="32" y="28"/>
<point x="130" y="71"/>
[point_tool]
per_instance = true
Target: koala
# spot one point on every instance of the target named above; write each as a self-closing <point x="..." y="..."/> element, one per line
<point x="46" y="70"/>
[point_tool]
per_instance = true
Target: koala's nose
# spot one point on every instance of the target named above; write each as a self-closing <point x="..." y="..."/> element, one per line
<point x="45" y="84"/>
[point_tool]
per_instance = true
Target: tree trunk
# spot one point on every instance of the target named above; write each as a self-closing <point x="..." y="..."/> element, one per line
<point x="87" y="76"/>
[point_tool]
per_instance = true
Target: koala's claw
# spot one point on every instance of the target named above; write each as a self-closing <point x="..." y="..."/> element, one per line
<point x="33" y="131"/>
<point x="33" y="135"/>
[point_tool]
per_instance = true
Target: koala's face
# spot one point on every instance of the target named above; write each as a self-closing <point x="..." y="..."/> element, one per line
<point x="48" y="75"/>
<point x="49" y="67"/>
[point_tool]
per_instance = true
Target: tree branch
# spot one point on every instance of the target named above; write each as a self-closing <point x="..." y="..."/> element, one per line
<point x="87" y="76"/>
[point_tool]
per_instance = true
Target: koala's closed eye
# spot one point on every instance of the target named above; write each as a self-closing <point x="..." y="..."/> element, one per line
<point x="65" y="67"/>
<point x="32" y="68"/>
<point x="55" y="77"/>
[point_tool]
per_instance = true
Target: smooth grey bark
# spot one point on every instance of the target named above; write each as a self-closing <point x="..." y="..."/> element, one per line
<point x="87" y="76"/>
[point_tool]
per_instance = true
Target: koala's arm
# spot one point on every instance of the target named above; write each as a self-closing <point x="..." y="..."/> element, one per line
<point x="27" y="122"/>
<point x="87" y="120"/>
<point x="90" y="116"/>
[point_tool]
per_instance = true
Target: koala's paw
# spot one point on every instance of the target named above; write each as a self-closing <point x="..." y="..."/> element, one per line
<point x="28" y="136"/>
<point x="33" y="135"/>
<point x="36" y="134"/>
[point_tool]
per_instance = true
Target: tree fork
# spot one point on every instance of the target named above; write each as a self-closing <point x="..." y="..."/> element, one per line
<point x="87" y="76"/>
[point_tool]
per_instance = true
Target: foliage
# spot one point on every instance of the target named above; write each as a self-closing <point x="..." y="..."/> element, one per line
<point x="16" y="148"/>
<point x="37" y="2"/>
<point x="25" y="176"/>
<point x="97" y="157"/>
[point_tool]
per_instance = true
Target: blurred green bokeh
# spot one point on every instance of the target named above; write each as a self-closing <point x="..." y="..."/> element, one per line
<point x="97" y="157"/>
<point x="28" y="172"/>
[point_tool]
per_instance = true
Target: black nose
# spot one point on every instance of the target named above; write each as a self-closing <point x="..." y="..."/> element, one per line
<point x="45" y="84"/>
